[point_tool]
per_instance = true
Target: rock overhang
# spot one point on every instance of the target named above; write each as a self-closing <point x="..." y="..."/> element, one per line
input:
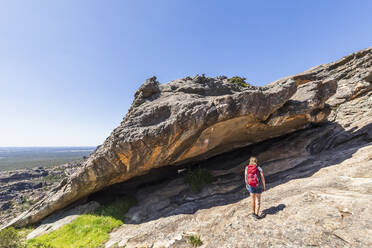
<point x="192" y="119"/>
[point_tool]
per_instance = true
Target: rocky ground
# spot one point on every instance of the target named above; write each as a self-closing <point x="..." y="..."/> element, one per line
<point x="330" y="208"/>
<point x="20" y="189"/>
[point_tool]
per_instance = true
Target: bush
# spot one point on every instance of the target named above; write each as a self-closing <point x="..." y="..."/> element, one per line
<point x="198" y="179"/>
<point x="239" y="81"/>
<point x="117" y="208"/>
<point x="195" y="241"/>
<point x="10" y="238"/>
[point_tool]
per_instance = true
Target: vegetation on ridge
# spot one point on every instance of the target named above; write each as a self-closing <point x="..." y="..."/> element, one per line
<point x="239" y="81"/>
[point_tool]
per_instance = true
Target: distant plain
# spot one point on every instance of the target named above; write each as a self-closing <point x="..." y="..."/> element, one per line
<point x="12" y="158"/>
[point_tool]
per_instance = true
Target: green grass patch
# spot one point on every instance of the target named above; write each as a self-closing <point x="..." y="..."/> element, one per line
<point x="195" y="241"/>
<point x="197" y="179"/>
<point x="85" y="231"/>
<point x="238" y="81"/>
<point x="88" y="230"/>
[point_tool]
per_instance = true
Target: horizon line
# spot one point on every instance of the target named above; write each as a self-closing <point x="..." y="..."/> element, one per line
<point x="47" y="146"/>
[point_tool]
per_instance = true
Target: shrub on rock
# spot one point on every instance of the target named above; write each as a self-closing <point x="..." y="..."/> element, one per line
<point x="10" y="238"/>
<point x="239" y="81"/>
<point x="198" y="179"/>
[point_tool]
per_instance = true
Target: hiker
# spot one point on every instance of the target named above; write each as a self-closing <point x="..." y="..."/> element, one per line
<point x="255" y="184"/>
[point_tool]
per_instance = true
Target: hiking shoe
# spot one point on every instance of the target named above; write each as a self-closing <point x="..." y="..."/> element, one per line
<point x="255" y="216"/>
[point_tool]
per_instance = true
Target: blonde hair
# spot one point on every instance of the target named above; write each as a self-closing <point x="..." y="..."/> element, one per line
<point x="253" y="160"/>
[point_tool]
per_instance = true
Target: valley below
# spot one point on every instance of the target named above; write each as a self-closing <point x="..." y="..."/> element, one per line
<point x="13" y="158"/>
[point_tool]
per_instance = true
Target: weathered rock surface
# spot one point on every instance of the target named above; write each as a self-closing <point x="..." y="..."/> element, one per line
<point x="191" y="119"/>
<point x="329" y="204"/>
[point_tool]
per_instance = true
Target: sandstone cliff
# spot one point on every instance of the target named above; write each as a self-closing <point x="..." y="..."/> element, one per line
<point x="193" y="119"/>
<point x="319" y="180"/>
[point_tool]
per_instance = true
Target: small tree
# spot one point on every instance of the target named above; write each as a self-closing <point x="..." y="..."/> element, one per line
<point x="239" y="81"/>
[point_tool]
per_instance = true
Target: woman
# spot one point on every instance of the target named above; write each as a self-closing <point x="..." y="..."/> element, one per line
<point x="255" y="183"/>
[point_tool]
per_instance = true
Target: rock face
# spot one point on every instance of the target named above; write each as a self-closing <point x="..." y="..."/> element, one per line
<point x="192" y="119"/>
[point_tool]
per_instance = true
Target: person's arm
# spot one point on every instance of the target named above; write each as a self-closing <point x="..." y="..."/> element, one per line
<point x="263" y="181"/>
<point x="245" y="175"/>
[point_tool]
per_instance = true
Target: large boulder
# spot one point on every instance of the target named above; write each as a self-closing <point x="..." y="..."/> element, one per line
<point x="192" y="119"/>
<point x="319" y="185"/>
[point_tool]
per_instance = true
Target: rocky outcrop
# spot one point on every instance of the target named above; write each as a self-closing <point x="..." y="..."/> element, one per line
<point x="319" y="189"/>
<point x="192" y="119"/>
<point x="6" y="176"/>
<point x="316" y="197"/>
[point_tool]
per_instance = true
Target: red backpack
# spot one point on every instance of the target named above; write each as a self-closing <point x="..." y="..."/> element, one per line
<point x="251" y="172"/>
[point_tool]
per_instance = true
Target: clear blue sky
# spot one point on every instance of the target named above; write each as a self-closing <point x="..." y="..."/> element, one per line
<point x="69" y="68"/>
